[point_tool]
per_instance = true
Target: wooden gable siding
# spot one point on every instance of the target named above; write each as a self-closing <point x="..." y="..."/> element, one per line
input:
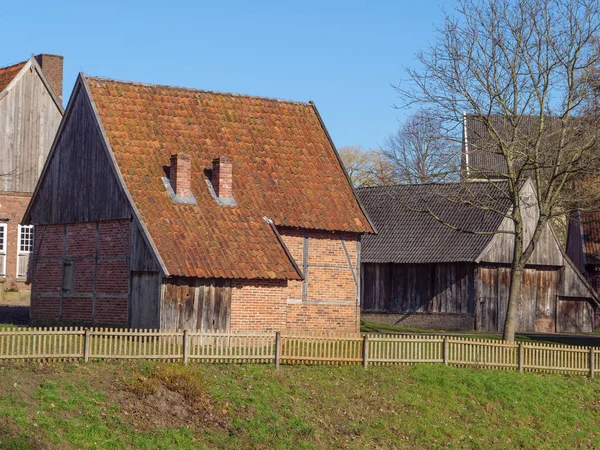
<point x="437" y="288"/>
<point x="142" y="258"/>
<point x="195" y="303"/>
<point x="29" y="119"/>
<point x="79" y="184"/>
<point x="575" y="247"/>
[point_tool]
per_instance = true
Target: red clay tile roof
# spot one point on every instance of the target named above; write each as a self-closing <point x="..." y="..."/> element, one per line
<point x="590" y="223"/>
<point x="7" y="74"/>
<point x="284" y="168"/>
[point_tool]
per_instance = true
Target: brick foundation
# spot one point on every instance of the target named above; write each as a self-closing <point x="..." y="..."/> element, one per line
<point x="98" y="255"/>
<point x="429" y="321"/>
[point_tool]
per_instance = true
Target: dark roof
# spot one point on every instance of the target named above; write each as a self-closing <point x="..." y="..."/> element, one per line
<point x="284" y="168"/>
<point x="408" y="234"/>
<point x="7" y="74"/>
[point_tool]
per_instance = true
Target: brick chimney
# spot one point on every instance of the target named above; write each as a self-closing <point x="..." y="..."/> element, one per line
<point x="52" y="66"/>
<point x="222" y="177"/>
<point x="180" y="174"/>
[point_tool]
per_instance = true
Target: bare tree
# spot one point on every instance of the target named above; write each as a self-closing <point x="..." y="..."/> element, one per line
<point x="366" y="167"/>
<point x="420" y="152"/>
<point x="520" y="70"/>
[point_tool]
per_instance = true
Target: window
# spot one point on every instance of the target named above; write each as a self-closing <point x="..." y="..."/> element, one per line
<point x="3" y="238"/>
<point x="24" y="247"/>
<point x="25" y="238"/>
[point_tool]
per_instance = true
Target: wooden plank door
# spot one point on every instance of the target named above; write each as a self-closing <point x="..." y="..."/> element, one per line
<point x="144" y="300"/>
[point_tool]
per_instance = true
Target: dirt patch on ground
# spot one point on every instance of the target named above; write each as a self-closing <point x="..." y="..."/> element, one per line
<point x="169" y="398"/>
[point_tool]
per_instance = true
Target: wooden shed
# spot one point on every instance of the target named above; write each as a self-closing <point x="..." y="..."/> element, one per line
<point x="166" y="207"/>
<point x="438" y="262"/>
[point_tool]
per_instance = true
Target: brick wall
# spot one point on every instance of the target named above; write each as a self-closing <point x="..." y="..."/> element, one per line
<point x="52" y="66"/>
<point x="98" y="255"/>
<point x="326" y="301"/>
<point x="12" y="207"/>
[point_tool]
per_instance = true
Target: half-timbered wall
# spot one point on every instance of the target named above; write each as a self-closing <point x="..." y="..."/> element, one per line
<point x="81" y="274"/>
<point x="325" y="301"/>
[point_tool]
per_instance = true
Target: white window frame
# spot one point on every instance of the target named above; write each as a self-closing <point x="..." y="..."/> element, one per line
<point x="22" y="253"/>
<point x="3" y="248"/>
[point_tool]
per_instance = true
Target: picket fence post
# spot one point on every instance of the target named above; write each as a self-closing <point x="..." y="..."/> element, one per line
<point x="186" y="347"/>
<point x="446" y="351"/>
<point x="86" y="346"/>
<point x="277" y="349"/>
<point x="520" y="356"/>
<point x="365" y="351"/>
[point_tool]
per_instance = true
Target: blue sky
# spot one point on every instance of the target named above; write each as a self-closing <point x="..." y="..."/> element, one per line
<point x="343" y="55"/>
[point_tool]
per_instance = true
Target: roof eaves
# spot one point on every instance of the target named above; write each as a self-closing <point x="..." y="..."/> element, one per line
<point x="285" y="248"/>
<point x="9" y="86"/>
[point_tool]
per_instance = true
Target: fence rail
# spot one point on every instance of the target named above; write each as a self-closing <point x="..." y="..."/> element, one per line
<point x="285" y="348"/>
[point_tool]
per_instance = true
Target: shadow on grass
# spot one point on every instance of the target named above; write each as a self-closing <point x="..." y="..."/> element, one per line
<point x="15" y="315"/>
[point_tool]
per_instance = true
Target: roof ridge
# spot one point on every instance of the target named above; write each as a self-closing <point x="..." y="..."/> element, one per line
<point x="432" y="183"/>
<point x="188" y="89"/>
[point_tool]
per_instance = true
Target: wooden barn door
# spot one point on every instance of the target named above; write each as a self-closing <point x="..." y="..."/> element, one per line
<point x="143" y="305"/>
<point x="195" y="304"/>
<point x="487" y="299"/>
<point x="574" y="316"/>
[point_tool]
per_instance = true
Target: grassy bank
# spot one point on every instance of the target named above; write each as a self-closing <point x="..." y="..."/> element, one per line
<point x="148" y="405"/>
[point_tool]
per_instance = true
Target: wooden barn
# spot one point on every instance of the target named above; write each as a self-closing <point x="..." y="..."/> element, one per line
<point x="30" y="113"/>
<point x="164" y="207"/>
<point x="420" y="271"/>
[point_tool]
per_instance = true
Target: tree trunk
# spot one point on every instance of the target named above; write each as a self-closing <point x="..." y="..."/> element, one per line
<point x="516" y="276"/>
<point x="514" y="299"/>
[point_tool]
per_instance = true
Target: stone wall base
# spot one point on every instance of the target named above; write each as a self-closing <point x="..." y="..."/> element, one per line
<point x="435" y="321"/>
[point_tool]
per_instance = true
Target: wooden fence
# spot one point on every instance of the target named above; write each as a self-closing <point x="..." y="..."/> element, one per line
<point x="284" y="348"/>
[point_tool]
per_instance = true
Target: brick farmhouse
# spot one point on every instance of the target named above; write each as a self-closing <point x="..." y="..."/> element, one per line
<point x="30" y="113"/>
<point x="164" y="207"/>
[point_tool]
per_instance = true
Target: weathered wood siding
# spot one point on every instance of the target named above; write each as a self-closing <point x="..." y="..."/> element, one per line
<point x="29" y="118"/>
<point x="575" y="246"/>
<point x="144" y="300"/>
<point x="538" y="298"/>
<point x="142" y="258"/>
<point x="442" y="288"/>
<point x="196" y="304"/>
<point x="547" y="251"/>
<point x="79" y="184"/>
<point x="575" y="316"/>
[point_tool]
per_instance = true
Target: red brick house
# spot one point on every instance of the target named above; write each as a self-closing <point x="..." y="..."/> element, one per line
<point x="163" y="207"/>
<point x="30" y="113"/>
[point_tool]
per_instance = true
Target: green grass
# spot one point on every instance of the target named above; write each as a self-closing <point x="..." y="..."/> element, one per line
<point x="71" y="406"/>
